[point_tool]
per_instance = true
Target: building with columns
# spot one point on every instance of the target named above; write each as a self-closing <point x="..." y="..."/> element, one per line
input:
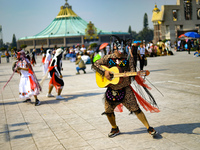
<point x="66" y="30"/>
<point x="174" y="20"/>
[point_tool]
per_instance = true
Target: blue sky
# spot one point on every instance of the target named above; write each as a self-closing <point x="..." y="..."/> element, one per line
<point x="29" y="17"/>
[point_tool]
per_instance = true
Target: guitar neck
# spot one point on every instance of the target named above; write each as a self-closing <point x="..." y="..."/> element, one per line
<point x="117" y="75"/>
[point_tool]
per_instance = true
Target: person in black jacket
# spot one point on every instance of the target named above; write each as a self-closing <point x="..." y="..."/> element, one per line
<point x="134" y="54"/>
<point x="189" y="45"/>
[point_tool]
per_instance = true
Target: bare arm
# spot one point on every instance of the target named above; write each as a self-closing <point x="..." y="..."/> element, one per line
<point x="25" y="69"/>
<point x="97" y="66"/>
<point x="130" y="52"/>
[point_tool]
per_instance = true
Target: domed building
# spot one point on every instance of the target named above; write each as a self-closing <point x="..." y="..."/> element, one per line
<point x="66" y="30"/>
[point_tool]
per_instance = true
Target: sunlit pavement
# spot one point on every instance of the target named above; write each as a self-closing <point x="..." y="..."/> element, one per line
<point x="76" y="122"/>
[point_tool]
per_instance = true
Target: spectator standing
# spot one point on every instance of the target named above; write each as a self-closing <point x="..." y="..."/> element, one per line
<point x="153" y="50"/>
<point x="183" y="42"/>
<point x="7" y="56"/>
<point x="33" y="61"/>
<point x="179" y="45"/>
<point x="0" y="56"/>
<point x="189" y="44"/>
<point x="134" y="54"/>
<point x="141" y="53"/>
<point x="160" y="43"/>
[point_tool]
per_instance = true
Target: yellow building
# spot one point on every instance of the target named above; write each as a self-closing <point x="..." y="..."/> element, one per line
<point x="174" y="20"/>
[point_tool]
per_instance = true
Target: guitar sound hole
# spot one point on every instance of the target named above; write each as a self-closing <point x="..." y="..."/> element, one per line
<point x="111" y="75"/>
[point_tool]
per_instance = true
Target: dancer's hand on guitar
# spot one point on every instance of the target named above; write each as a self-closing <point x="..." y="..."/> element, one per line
<point x="108" y="75"/>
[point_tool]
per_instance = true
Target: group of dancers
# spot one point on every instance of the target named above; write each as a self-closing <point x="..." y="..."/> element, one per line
<point x="116" y="95"/>
<point x="29" y="85"/>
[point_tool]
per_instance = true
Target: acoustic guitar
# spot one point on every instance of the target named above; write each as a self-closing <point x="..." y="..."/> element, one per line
<point x="116" y="76"/>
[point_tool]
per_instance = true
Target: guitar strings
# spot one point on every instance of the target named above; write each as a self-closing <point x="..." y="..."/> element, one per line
<point x="147" y="93"/>
<point x="155" y="87"/>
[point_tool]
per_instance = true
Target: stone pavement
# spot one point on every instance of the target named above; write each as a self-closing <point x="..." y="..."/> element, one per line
<point x="76" y="123"/>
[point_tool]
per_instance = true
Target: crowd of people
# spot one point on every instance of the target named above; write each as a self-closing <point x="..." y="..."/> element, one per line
<point x="186" y="44"/>
<point x="124" y="56"/>
<point x="81" y="56"/>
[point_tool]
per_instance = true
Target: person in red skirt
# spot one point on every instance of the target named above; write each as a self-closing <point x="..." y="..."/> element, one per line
<point x="56" y="76"/>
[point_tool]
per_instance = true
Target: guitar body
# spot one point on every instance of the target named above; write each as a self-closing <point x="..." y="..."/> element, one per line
<point x="117" y="77"/>
<point x="103" y="81"/>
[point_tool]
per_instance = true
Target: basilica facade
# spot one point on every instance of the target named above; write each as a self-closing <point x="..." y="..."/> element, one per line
<point x="174" y="20"/>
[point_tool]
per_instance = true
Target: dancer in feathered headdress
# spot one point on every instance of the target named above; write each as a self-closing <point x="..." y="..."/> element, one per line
<point x="122" y="92"/>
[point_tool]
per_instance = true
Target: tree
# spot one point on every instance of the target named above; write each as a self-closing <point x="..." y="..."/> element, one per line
<point x="93" y="45"/>
<point x="1" y="43"/>
<point x="14" y="41"/>
<point x="145" y="21"/>
<point x="129" y="29"/>
<point x="23" y="46"/>
<point x="3" y="48"/>
<point x="134" y="35"/>
<point x="146" y="34"/>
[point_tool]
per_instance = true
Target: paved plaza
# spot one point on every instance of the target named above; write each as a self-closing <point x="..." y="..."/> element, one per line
<point x="76" y="123"/>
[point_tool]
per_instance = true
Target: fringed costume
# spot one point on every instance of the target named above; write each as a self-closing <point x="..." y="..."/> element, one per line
<point x="122" y="93"/>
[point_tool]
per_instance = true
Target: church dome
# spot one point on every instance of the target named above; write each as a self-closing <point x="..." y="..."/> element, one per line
<point x="66" y="11"/>
<point x="156" y="9"/>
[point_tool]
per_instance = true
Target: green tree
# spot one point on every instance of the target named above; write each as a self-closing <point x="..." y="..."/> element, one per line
<point x="1" y="43"/>
<point x="129" y="29"/>
<point x="3" y="48"/>
<point x="93" y="45"/>
<point x="14" y="41"/>
<point x="23" y="46"/>
<point x="146" y="34"/>
<point x="145" y="21"/>
<point x="134" y="35"/>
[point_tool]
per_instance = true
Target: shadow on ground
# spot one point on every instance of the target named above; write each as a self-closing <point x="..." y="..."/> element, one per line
<point x="171" y="129"/>
<point x="158" y="70"/>
<point x="69" y="97"/>
<point x="9" y="103"/>
<point x="6" y="132"/>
